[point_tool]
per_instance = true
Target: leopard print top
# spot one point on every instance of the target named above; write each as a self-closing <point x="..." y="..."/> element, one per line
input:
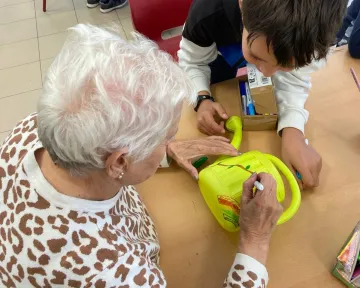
<point x="48" y="239"/>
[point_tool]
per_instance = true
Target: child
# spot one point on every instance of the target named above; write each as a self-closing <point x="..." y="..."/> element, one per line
<point x="352" y="17"/>
<point x="279" y="37"/>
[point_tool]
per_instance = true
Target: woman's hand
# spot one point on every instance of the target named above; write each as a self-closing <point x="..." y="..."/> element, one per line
<point x="259" y="214"/>
<point x="184" y="152"/>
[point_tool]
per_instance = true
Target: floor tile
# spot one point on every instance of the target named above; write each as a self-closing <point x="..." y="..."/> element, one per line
<point x="17" y="107"/>
<point x="4" y="3"/>
<point x="45" y="64"/>
<point x="17" y="12"/>
<point x="124" y="12"/>
<point x="3" y="136"/>
<point x="17" y="31"/>
<point x="55" y="23"/>
<point x="128" y="27"/>
<point x="129" y="35"/>
<point x="81" y="4"/>
<point x="53" y="7"/>
<point x="127" y="24"/>
<point x="94" y="16"/>
<point x="19" y="53"/>
<point x="121" y="31"/>
<point x="51" y="45"/>
<point x="20" y="79"/>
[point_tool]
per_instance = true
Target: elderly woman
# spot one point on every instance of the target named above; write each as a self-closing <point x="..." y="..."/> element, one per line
<point x="69" y="215"/>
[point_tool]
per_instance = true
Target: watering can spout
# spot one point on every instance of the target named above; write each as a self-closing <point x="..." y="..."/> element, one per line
<point x="234" y="125"/>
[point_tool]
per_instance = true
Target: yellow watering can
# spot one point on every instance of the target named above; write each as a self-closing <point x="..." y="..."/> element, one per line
<point x="221" y="183"/>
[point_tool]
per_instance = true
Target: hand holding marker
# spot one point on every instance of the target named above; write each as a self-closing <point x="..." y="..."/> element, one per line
<point x="298" y="175"/>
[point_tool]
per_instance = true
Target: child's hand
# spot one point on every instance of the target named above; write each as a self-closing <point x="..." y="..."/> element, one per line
<point x="301" y="157"/>
<point x="206" y="114"/>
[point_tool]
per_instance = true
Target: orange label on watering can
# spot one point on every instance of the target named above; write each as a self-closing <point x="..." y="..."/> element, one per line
<point x="230" y="203"/>
<point x="231" y="211"/>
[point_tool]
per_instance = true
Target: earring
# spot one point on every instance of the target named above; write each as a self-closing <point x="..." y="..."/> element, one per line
<point x="121" y="175"/>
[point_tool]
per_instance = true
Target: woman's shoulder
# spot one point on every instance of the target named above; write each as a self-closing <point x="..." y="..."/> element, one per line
<point x="19" y="141"/>
<point x="130" y="202"/>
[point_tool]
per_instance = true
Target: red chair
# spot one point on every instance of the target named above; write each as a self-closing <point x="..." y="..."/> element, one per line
<point x="152" y="17"/>
<point x="44" y="5"/>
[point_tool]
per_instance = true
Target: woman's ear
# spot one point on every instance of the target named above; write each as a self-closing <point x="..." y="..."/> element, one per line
<point x="116" y="163"/>
<point x="240" y="4"/>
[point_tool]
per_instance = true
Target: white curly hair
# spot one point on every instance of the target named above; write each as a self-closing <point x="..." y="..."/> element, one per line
<point x="103" y="93"/>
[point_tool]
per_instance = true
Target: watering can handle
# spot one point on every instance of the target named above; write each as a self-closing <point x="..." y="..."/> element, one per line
<point x="234" y="125"/>
<point x="294" y="187"/>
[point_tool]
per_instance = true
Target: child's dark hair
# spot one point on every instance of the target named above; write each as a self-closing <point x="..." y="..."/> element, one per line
<point x="300" y="30"/>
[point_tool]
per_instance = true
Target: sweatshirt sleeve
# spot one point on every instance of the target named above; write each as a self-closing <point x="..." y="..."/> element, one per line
<point x="195" y="60"/>
<point x="246" y="272"/>
<point x="291" y="92"/>
<point x="198" y="49"/>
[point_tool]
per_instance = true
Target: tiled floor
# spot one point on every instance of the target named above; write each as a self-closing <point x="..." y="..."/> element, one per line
<point x="29" y="41"/>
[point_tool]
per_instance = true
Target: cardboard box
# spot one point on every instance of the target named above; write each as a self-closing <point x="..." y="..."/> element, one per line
<point x="262" y="92"/>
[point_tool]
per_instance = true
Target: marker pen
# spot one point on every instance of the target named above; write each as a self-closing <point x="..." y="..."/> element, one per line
<point x="243" y="97"/>
<point x="259" y="186"/>
<point x="198" y="163"/>
<point x="243" y="103"/>
<point x="249" y="102"/>
<point x="355" y="78"/>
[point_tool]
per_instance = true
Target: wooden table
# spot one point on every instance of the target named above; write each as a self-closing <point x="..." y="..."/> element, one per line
<point x="196" y="252"/>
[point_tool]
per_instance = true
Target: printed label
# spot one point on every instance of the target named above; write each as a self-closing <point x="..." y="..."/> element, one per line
<point x="229" y="202"/>
<point x="265" y="80"/>
<point x="256" y="78"/>
<point x="231" y="213"/>
<point x="231" y="217"/>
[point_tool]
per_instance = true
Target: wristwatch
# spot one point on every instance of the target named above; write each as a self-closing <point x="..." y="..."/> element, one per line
<point x="201" y="98"/>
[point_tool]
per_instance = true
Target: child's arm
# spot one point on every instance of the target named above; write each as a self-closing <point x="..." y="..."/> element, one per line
<point x="291" y="91"/>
